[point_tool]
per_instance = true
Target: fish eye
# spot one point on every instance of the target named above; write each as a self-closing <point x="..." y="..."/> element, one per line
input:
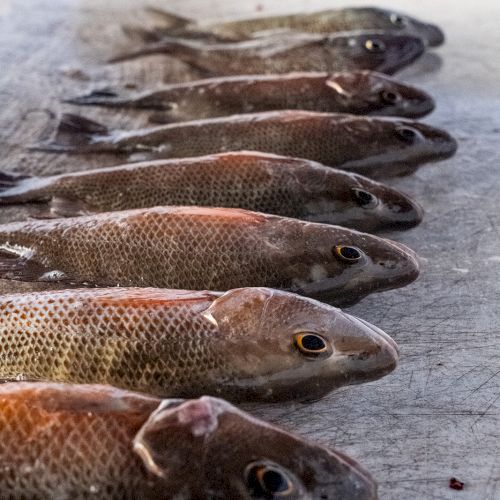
<point x="375" y="46"/>
<point x="407" y="134"/>
<point x="398" y="20"/>
<point x="348" y="254"/>
<point x="268" y="481"/>
<point x="310" y="344"/>
<point x="390" y="97"/>
<point x="365" y="199"/>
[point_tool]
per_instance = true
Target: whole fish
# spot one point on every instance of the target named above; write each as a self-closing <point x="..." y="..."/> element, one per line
<point x="376" y="51"/>
<point x="370" y="146"/>
<point x="88" y="441"/>
<point x="357" y="92"/>
<point x="248" y="344"/>
<point x="326" y="21"/>
<point x="261" y="182"/>
<point x="205" y="248"/>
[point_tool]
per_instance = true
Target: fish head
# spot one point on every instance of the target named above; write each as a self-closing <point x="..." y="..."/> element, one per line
<point x="375" y="50"/>
<point x="348" y="199"/>
<point x="284" y="346"/>
<point x="339" y="265"/>
<point x="386" y="19"/>
<point x="207" y="448"/>
<point x="401" y="145"/>
<point x="369" y="92"/>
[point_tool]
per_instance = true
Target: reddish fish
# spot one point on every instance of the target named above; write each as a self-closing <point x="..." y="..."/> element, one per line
<point x="205" y="248"/>
<point x="324" y="21"/>
<point x="371" y="146"/>
<point x="375" y="51"/>
<point x="87" y="441"/>
<point x="249" y="344"/>
<point x="357" y="92"/>
<point x="256" y="181"/>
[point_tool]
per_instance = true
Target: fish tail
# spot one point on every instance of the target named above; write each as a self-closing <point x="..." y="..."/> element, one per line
<point x="162" y="47"/>
<point x="15" y="188"/>
<point x="173" y="21"/>
<point x="76" y="134"/>
<point x="188" y="51"/>
<point x="98" y="97"/>
<point x="142" y="34"/>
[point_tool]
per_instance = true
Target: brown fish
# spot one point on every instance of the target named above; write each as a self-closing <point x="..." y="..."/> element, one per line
<point x="376" y="51"/>
<point x="88" y="441"/>
<point x="357" y="92"/>
<point x="261" y="182"/>
<point x="205" y="248"/>
<point x="326" y="21"/>
<point x="248" y="344"/>
<point x="370" y="146"/>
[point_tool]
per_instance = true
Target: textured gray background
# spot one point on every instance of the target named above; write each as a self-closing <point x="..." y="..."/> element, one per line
<point x="437" y="416"/>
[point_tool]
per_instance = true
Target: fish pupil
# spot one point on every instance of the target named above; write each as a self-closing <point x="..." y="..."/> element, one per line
<point x="350" y="253"/>
<point x="390" y="97"/>
<point x="313" y="343"/>
<point x="374" y="46"/>
<point x="407" y="134"/>
<point x="274" y="482"/>
<point x="364" y="198"/>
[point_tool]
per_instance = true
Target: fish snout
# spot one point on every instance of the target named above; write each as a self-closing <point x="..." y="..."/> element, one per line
<point x="433" y="35"/>
<point x="402" y="212"/>
<point x="370" y="355"/>
<point x="394" y="267"/>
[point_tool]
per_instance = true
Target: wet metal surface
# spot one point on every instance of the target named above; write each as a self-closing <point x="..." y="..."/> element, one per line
<point x="437" y="416"/>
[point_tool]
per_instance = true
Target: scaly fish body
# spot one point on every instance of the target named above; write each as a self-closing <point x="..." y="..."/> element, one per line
<point x="243" y="345"/>
<point x="371" y="146"/>
<point x="205" y="248"/>
<point x="374" y="50"/>
<point x="88" y="441"/>
<point x="358" y="92"/>
<point x="255" y="181"/>
<point x="327" y="21"/>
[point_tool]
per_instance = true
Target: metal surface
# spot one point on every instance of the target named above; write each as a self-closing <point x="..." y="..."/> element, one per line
<point x="437" y="416"/>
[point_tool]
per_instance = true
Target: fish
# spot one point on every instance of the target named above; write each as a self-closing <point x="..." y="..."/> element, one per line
<point x="261" y="182"/>
<point x="244" y="345"/>
<point x="357" y="92"/>
<point x="325" y="21"/>
<point x="375" y="147"/>
<point x="94" y="441"/>
<point x="375" y="50"/>
<point x="200" y="248"/>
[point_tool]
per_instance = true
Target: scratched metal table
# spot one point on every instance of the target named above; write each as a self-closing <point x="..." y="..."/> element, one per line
<point x="437" y="416"/>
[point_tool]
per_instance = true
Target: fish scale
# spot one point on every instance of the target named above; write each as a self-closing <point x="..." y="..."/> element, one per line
<point x="65" y="441"/>
<point x="79" y="334"/>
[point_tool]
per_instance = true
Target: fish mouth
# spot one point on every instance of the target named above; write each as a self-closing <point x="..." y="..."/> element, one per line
<point x="421" y="107"/>
<point x="411" y="215"/>
<point x="433" y="35"/>
<point x="409" y="50"/>
<point x="380" y="357"/>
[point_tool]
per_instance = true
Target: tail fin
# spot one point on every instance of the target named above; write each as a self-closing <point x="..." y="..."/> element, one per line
<point x="76" y="134"/>
<point x="98" y="97"/>
<point x="173" y="21"/>
<point x="161" y="47"/>
<point x="13" y="187"/>
<point x="142" y="34"/>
